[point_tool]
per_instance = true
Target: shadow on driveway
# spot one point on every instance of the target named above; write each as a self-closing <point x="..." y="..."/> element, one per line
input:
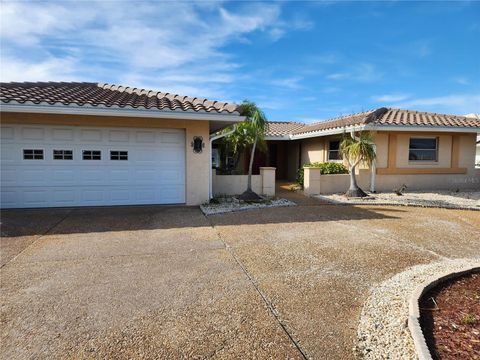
<point x="36" y="222"/>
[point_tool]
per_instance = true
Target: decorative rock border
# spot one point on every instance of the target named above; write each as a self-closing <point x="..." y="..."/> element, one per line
<point x="232" y="206"/>
<point x="337" y="199"/>
<point x="383" y="329"/>
<point x="421" y="347"/>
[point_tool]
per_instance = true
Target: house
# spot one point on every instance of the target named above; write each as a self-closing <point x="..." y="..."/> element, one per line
<point x="84" y="144"/>
<point x="422" y="150"/>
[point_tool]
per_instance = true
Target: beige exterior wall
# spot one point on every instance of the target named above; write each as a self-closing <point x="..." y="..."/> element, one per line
<point x="455" y="168"/>
<point x="313" y="150"/>
<point x="315" y="183"/>
<point x="263" y="184"/>
<point x="197" y="165"/>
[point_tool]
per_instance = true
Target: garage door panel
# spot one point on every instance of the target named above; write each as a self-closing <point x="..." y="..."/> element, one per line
<point x="119" y="136"/>
<point x="62" y="134"/>
<point x="145" y="137"/>
<point x="91" y="135"/>
<point x="64" y="177"/>
<point x="35" y="197"/>
<point x="153" y="174"/>
<point x="65" y="197"/>
<point x="33" y="133"/>
<point x="7" y="133"/>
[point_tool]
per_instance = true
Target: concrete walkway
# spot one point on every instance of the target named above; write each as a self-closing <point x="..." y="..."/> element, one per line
<point x="167" y="282"/>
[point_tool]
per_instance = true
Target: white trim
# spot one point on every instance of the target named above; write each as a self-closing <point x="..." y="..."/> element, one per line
<point x="422" y="128"/>
<point x="407" y="128"/>
<point x="101" y="110"/>
<point x="278" y="137"/>
<point x="327" y="132"/>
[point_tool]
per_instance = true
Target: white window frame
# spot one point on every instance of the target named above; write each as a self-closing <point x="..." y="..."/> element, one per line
<point x="100" y="151"/>
<point x="118" y="151"/>
<point x="33" y="149"/>
<point x="63" y="154"/>
<point x="340" y="159"/>
<point x="420" y="160"/>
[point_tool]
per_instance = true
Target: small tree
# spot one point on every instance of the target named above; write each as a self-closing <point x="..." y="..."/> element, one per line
<point x="253" y="130"/>
<point x="357" y="149"/>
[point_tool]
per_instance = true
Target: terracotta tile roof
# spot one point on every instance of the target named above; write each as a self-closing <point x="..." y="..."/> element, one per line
<point x="394" y="117"/>
<point x="97" y="94"/>
<point x="281" y="128"/>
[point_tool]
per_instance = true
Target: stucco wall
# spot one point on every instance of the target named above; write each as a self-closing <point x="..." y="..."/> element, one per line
<point x="312" y="150"/>
<point x="263" y="184"/>
<point x="197" y="165"/>
<point x="339" y="183"/>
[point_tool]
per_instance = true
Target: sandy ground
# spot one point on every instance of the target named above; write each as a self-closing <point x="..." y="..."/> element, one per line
<point x="154" y="282"/>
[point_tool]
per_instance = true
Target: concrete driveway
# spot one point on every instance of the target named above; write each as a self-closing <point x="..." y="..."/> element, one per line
<point x="151" y="282"/>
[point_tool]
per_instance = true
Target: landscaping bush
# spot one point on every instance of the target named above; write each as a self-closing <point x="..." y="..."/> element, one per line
<point x="326" y="168"/>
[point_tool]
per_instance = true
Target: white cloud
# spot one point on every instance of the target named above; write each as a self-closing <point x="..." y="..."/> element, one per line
<point x="461" y="80"/>
<point x="289" y="83"/>
<point x="455" y="103"/>
<point x="174" y="46"/>
<point x="363" y="72"/>
<point x="338" y="76"/>
<point x="388" y="98"/>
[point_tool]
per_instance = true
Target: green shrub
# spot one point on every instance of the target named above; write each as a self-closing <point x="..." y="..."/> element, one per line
<point x="325" y="169"/>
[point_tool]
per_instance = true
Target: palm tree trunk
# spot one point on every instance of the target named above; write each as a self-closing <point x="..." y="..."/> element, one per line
<point x="354" y="190"/>
<point x="353" y="180"/>
<point x="250" y="166"/>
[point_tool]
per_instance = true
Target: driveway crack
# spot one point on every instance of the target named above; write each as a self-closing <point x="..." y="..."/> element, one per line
<point x="39" y="237"/>
<point x="263" y="296"/>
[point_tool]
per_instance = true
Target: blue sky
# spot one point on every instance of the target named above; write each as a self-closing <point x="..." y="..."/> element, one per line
<point x="301" y="61"/>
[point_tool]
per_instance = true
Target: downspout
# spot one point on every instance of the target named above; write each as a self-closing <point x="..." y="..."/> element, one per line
<point x="212" y="139"/>
<point x="373" y="171"/>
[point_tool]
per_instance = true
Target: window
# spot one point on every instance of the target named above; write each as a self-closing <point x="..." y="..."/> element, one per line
<point x="334" y="150"/>
<point x="91" y="155"/>
<point x="32" y="154"/>
<point x="62" y="154"/>
<point x="423" y="149"/>
<point x="118" y="155"/>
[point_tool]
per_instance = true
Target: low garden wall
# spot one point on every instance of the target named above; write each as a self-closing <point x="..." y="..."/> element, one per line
<point x="315" y="183"/>
<point x="263" y="184"/>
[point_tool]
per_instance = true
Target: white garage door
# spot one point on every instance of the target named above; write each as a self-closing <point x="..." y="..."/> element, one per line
<point x="47" y="166"/>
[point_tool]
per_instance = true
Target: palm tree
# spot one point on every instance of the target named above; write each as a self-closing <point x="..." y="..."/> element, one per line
<point x="357" y="149"/>
<point x="254" y="129"/>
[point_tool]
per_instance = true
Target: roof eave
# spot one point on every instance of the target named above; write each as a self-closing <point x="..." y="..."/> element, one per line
<point x="424" y="128"/>
<point x="278" y="137"/>
<point x="374" y="127"/>
<point x="102" y="110"/>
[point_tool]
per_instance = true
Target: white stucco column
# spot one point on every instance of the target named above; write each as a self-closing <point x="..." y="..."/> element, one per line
<point x="268" y="180"/>
<point x="311" y="181"/>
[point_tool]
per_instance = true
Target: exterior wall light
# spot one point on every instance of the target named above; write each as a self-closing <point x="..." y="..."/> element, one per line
<point x="197" y="144"/>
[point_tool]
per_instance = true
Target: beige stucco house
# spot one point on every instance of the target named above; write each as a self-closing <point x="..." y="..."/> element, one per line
<point x="419" y="149"/>
<point x="88" y="144"/>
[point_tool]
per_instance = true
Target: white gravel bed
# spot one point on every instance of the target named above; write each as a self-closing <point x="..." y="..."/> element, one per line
<point x="440" y="199"/>
<point x="235" y="205"/>
<point x="383" y="329"/>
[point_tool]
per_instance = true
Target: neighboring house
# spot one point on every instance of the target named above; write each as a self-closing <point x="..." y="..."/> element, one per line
<point x="477" y="154"/>
<point x="422" y="150"/>
<point x="83" y="144"/>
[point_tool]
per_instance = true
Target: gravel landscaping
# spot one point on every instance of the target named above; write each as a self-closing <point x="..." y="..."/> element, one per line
<point x="231" y="204"/>
<point x="469" y="200"/>
<point x="383" y="329"/>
